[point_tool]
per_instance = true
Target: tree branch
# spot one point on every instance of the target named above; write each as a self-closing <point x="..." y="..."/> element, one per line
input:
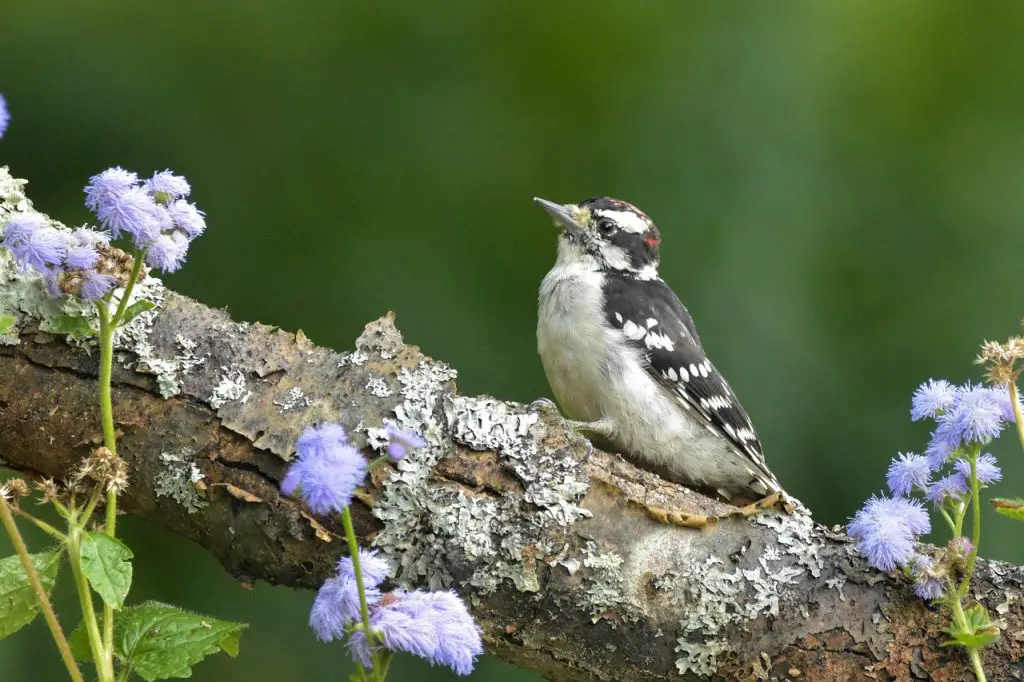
<point x="552" y="548"/>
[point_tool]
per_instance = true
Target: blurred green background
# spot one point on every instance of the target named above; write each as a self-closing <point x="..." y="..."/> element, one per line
<point x="839" y="187"/>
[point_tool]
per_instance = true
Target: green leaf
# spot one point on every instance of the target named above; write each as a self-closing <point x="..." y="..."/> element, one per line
<point x="105" y="562"/>
<point x="6" y="323"/>
<point x="134" y="310"/>
<point x="78" y="640"/>
<point x="1013" y="508"/>
<point x="161" y="641"/>
<point x="76" y="325"/>
<point x="18" y="602"/>
<point x="977" y="632"/>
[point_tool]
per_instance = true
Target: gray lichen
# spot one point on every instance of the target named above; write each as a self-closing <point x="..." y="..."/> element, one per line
<point x="178" y="480"/>
<point x="426" y="523"/>
<point x="232" y="386"/>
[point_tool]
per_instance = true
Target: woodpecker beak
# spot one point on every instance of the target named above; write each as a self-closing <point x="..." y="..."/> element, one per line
<point x="563" y="216"/>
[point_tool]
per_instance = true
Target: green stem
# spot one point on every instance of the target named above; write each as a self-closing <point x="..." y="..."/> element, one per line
<point x="104" y="665"/>
<point x="979" y="671"/>
<point x="364" y="607"/>
<point x="107" y="327"/>
<point x="37" y="587"/>
<point x="949" y="520"/>
<point x="42" y="525"/>
<point x="1012" y="386"/>
<point x="136" y="269"/>
<point x="965" y="586"/>
<point x="106" y="367"/>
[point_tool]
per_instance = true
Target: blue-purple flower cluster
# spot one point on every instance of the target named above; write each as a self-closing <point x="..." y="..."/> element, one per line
<point x="888" y="529"/>
<point x="5" y="116"/>
<point x="77" y="262"/>
<point x="81" y="262"/>
<point x="155" y="213"/>
<point x="435" y="626"/>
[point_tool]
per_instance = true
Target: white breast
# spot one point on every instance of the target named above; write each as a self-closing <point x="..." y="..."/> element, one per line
<point x="595" y="375"/>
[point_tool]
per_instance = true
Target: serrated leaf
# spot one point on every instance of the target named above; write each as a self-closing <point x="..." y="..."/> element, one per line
<point x="7" y="323"/>
<point x="973" y="641"/>
<point x="161" y="641"/>
<point x="1014" y="508"/>
<point x="78" y="640"/>
<point x="136" y="309"/>
<point x="76" y="325"/>
<point x="105" y="562"/>
<point x="18" y="603"/>
<point x="978" y="630"/>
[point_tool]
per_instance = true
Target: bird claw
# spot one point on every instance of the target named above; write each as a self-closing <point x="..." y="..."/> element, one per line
<point x="674" y="517"/>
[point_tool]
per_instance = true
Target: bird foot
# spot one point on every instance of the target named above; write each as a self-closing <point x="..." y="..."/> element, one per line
<point x="707" y="522"/>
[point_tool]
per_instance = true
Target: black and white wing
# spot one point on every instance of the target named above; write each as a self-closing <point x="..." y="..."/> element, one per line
<point x="655" y="322"/>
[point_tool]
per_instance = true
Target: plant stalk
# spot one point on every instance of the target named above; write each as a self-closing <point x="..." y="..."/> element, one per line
<point x="37" y="587"/>
<point x="1017" y="417"/>
<point x="364" y="607"/>
<point x="104" y="664"/>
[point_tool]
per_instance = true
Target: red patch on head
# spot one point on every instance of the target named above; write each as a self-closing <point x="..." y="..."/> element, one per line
<point x="651" y="240"/>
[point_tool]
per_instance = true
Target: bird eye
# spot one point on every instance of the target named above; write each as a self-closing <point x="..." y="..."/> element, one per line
<point x="606" y="227"/>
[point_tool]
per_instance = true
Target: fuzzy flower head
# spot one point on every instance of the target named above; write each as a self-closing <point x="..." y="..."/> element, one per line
<point x="5" y="116"/>
<point x="931" y="399"/>
<point x="166" y="187"/>
<point x="907" y="472"/>
<point x="978" y="415"/>
<point x="372" y="565"/>
<point x="951" y="488"/>
<point x="187" y="217"/>
<point x="327" y="471"/>
<point x="401" y="442"/>
<point x="928" y="583"/>
<point x="34" y="243"/>
<point x="886" y="530"/>
<point x="337" y="603"/>
<point x="987" y="469"/>
<point x="107" y="186"/>
<point x="435" y="626"/>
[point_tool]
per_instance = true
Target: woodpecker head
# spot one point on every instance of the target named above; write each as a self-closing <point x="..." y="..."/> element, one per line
<point x="606" y="235"/>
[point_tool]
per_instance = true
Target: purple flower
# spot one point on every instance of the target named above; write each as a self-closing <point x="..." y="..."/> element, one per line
<point x="887" y="528"/>
<point x="435" y="626"/>
<point x="84" y="236"/>
<point x="5" y="116"/>
<point x="931" y="399"/>
<point x="337" y="606"/>
<point x="927" y="585"/>
<point x="979" y="414"/>
<point x="951" y="488"/>
<point x="400" y="442"/>
<point x="81" y="257"/>
<point x="375" y="569"/>
<point x="40" y="248"/>
<point x="328" y="470"/>
<point x="906" y="472"/>
<point x="21" y="227"/>
<point x="132" y="211"/>
<point x="95" y="285"/>
<point x="320" y="439"/>
<point x="104" y="187"/>
<point x="167" y="251"/>
<point x="166" y="186"/>
<point x="458" y="636"/>
<point x="187" y="217"/>
<point x="987" y="469"/>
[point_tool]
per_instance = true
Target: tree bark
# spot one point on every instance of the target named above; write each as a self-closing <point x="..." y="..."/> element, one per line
<point x="548" y="541"/>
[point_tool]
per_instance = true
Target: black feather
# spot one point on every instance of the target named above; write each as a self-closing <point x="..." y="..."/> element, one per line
<point x="657" y="324"/>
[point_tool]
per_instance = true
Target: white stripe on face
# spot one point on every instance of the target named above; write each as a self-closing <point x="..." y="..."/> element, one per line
<point x="626" y="220"/>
